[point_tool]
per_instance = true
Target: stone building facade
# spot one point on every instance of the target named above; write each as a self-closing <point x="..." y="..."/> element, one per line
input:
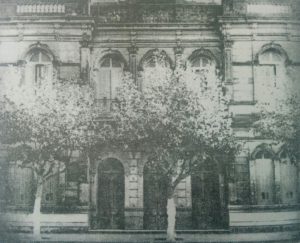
<point x="254" y="45"/>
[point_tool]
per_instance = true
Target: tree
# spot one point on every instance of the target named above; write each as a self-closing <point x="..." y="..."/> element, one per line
<point x="180" y="120"/>
<point x="279" y="113"/>
<point x="43" y="124"/>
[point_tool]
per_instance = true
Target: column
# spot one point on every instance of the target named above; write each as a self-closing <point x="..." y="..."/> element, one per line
<point x="178" y="50"/>
<point x="277" y="192"/>
<point x="84" y="61"/>
<point x="224" y="195"/>
<point x="133" y="61"/>
<point x="92" y="177"/>
<point x="183" y="194"/>
<point x="134" y="194"/>
<point x="252" y="171"/>
<point x="228" y="67"/>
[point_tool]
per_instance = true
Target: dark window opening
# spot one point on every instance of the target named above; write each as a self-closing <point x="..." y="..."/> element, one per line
<point x="265" y="195"/>
<point x="49" y="196"/>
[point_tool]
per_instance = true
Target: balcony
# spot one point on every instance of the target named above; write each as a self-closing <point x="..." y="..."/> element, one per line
<point x="43" y="8"/>
<point x="262" y="8"/>
<point x="104" y="106"/>
<point x="152" y="12"/>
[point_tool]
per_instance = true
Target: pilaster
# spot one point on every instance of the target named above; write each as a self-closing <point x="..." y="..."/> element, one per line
<point x="84" y="59"/>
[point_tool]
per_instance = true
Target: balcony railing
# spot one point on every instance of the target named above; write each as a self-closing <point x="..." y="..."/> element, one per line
<point x="43" y="7"/>
<point x="262" y="8"/>
<point x="105" y="106"/>
<point x="136" y="12"/>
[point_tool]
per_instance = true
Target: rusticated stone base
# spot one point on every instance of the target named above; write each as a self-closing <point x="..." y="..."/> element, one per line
<point x="183" y="218"/>
<point x="134" y="218"/>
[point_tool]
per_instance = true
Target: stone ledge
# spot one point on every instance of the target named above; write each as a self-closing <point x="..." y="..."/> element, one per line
<point x="265" y="228"/>
<point x="258" y="208"/>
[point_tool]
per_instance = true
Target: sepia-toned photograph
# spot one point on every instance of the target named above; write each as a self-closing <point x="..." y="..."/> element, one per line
<point x="150" y="121"/>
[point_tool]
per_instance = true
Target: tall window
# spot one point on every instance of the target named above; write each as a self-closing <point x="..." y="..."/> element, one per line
<point x="270" y="74"/>
<point x="202" y="64"/>
<point x="204" y="67"/>
<point x="110" y="75"/>
<point x="262" y="178"/>
<point x="21" y="186"/>
<point x="156" y="68"/>
<point x="40" y="66"/>
<point x="287" y="173"/>
<point x="271" y="57"/>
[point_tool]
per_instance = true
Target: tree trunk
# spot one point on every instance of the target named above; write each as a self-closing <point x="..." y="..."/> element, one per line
<point x="37" y="210"/>
<point x="171" y="211"/>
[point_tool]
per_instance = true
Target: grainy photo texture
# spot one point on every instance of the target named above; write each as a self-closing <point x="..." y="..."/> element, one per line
<point x="149" y="121"/>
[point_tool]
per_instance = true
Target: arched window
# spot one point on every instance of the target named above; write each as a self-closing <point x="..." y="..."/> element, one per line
<point x="270" y="74"/>
<point x="110" y="75"/>
<point x="271" y="56"/>
<point x="205" y="68"/>
<point x="287" y="173"/>
<point x="202" y="64"/>
<point x="39" y="66"/>
<point x="262" y="176"/>
<point x="156" y="66"/>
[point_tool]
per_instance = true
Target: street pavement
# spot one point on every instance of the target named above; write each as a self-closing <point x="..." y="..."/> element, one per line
<point x="154" y="238"/>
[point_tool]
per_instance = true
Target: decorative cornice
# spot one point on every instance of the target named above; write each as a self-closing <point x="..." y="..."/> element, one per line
<point x="133" y="49"/>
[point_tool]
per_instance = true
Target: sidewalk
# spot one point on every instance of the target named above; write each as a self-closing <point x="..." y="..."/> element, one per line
<point x="156" y="238"/>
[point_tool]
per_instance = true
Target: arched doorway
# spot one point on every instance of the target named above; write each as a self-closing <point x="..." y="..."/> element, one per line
<point x="110" y="203"/>
<point x="206" y="204"/>
<point x="155" y="200"/>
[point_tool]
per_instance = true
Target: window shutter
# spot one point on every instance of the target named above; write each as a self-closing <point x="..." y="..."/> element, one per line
<point x="103" y="86"/>
<point x="30" y="74"/>
<point x="265" y="81"/>
<point x="116" y="79"/>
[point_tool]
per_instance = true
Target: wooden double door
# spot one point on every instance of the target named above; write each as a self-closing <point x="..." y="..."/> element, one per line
<point x="206" y="203"/>
<point x="155" y="200"/>
<point x="110" y="206"/>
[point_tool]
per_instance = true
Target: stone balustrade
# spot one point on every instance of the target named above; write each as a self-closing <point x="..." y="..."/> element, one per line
<point x="41" y="8"/>
<point x="264" y="8"/>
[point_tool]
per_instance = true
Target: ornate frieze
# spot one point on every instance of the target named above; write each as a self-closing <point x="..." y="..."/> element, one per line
<point x="129" y="12"/>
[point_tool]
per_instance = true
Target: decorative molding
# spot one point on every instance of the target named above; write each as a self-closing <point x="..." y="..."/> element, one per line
<point x="133" y="49"/>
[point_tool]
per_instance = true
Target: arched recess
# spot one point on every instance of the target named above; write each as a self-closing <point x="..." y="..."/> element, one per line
<point x="20" y="191"/>
<point x="270" y="72"/>
<point x="155" y="199"/>
<point x="110" y="194"/>
<point x="276" y="49"/>
<point x="206" y="200"/>
<point x="154" y="61"/>
<point x="262" y="175"/>
<point x="108" y="72"/>
<point x="204" y="64"/>
<point x="203" y="53"/>
<point x="40" y="63"/>
<point x="154" y="57"/>
<point x="286" y="176"/>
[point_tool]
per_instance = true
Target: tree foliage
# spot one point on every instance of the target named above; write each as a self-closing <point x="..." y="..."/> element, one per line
<point x="44" y="124"/>
<point x="180" y="119"/>
<point x="279" y="114"/>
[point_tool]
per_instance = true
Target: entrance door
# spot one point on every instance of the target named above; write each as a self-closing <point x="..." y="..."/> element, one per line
<point x="111" y="195"/>
<point x="155" y="200"/>
<point x="206" y="206"/>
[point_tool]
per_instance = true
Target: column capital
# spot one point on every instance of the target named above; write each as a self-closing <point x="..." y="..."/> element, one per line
<point x="85" y="41"/>
<point x="132" y="49"/>
<point x="178" y="50"/>
<point x="228" y="44"/>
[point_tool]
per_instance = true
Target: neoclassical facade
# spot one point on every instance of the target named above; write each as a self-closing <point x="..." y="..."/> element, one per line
<point x="253" y="45"/>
